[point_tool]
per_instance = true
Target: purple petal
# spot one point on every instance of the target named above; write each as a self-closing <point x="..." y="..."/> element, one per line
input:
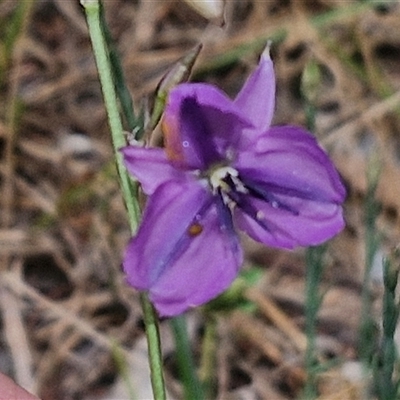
<point x="150" y="167"/>
<point x="200" y="125"/>
<point x="257" y="97"/>
<point x="287" y="160"/>
<point x="168" y="215"/>
<point x="300" y="223"/>
<point x="294" y="191"/>
<point x="205" y="268"/>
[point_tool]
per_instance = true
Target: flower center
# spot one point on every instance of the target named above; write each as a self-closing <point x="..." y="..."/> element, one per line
<point x="225" y="180"/>
<point x="218" y="178"/>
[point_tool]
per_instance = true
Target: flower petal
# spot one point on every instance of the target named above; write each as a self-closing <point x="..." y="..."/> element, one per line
<point x="150" y="167"/>
<point x="288" y="160"/>
<point x="257" y="97"/>
<point x="299" y="223"/>
<point x="206" y="267"/>
<point x="168" y="215"/>
<point x="294" y="191"/>
<point x="200" y="125"/>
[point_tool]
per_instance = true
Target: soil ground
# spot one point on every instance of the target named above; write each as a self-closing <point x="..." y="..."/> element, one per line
<point x="66" y="314"/>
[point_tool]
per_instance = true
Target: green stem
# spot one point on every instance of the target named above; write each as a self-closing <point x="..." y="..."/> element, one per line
<point x="154" y="343"/>
<point x="123" y="369"/>
<point x="314" y="255"/>
<point x="129" y="190"/>
<point x="191" y="383"/>
<point x="368" y="334"/>
<point x="386" y="380"/>
<point x="315" y="268"/>
<point x="208" y="358"/>
<point x="368" y="331"/>
<point x="118" y="75"/>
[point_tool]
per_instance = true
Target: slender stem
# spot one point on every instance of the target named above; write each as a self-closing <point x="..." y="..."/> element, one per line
<point x="92" y="8"/>
<point x="386" y="381"/>
<point x="129" y="190"/>
<point x="118" y="75"/>
<point x="208" y="358"/>
<point x="154" y="343"/>
<point x="311" y="80"/>
<point x="187" y="370"/>
<point x="315" y="268"/>
<point x="123" y="369"/>
<point x="368" y="329"/>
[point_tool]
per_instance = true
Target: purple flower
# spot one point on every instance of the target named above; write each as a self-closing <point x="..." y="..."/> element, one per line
<point x="224" y="168"/>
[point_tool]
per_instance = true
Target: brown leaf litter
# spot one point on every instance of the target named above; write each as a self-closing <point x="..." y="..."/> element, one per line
<point x="63" y="224"/>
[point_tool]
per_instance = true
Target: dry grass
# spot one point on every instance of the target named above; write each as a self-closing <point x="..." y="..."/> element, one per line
<point x="63" y="300"/>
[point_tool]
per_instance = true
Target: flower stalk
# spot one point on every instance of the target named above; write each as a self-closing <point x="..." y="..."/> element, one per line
<point x="154" y="347"/>
<point x="121" y="88"/>
<point x="314" y="271"/>
<point x="92" y="9"/>
<point x="310" y="83"/>
<point x="187" y="369"/>
<point x="129" y="189"/>
<point x="207" y="370"/>
<point x="368" y="328"/>
<point x="386" y="360"/>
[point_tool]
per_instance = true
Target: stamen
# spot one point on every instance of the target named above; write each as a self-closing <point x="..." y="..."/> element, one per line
<point x="217" y="178"/>
<point x="239" y="185"/>
<point x="227" y="180"/>
<point x="228" y="201"/>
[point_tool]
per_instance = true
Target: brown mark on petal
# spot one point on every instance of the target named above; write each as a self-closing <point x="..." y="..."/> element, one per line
<point x="195" y="229"/>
